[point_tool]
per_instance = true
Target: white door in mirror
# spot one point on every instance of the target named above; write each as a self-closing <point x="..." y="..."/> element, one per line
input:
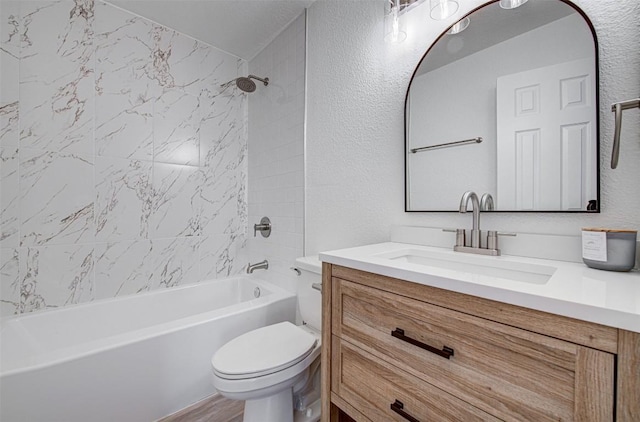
<point x="546" y="124"/>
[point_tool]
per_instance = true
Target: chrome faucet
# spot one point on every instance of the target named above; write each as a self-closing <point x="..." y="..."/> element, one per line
<point x="264" y="265"/>
<point x="485" y="204"/>
<point x="475" y="230"/>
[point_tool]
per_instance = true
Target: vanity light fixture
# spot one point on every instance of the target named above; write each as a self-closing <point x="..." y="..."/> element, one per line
<point x="459" y="26"/>
<point x="442" y="9"/>
<point x="394" y="33"/>
<point x="511" y="4"/>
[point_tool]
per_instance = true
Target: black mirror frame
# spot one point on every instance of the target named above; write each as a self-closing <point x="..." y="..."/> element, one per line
<point x="597" y="207"/>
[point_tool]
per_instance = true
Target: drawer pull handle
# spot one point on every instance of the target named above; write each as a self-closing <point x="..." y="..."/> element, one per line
<point x="397" y="407"/>
<point x="446" y="352"/>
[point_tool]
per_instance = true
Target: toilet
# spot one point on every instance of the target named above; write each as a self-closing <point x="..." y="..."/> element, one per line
<point x="275" y="369"/>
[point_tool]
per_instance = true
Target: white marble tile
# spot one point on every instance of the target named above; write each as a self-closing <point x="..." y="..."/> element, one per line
<point x="9" y="131"/>
<point x="9" y="197"/>
<point x="55" y="276"/>
<point x="124" y="268"/>
<point x="125" y="86"/>
<point x="223" y="130"/>
<point x="196" y="66"/>
<point x="243" y="203"/>
<point x="176" y="128"/>
<point x="111" y="110"/>
<point x="159" y="69"/>
<point x="177" y="208"/>
<point x="9" y="281"/>
<point x="124" y="198"/>
<point x="224" y="198"/>
<point x="222" y="255"/>
<point x="57" y="76"/>
<point x="56" y="198"/>
<point x="10" y="29"/>
<point x="9" y="69"/>
<point x="176" y="262"/>
<point x="223" y="140"/>
<point x="185" y="62"/>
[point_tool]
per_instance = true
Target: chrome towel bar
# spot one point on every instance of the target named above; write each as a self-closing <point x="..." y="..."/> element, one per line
<point x="447" y="144"/>
<point x="617" y="108"/>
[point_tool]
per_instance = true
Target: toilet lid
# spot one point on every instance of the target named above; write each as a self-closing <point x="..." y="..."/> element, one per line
<point x="263" y="351"/>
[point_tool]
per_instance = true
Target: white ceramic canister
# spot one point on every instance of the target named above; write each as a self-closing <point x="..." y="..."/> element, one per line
<point x="609" y="249"/>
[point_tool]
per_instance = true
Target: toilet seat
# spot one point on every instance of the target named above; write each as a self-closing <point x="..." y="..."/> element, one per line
<point x="263" y="351"/>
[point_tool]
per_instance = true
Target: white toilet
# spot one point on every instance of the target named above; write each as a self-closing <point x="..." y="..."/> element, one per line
<point x="275" y="369"/>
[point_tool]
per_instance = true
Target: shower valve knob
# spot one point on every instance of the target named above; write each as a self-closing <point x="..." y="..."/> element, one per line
<point x="264" y="227"/>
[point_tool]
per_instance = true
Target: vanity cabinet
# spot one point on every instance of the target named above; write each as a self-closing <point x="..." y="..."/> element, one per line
<point x="402" y="351"/>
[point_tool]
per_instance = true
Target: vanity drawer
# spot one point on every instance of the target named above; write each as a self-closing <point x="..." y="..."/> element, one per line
<point x="375" y="388"/>
<point x="508" y="372"/>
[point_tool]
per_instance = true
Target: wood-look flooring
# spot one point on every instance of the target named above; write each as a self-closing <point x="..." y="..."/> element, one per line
<point x="212" y="409"/>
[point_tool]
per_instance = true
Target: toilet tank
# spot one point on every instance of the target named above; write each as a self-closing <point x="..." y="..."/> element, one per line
<point x="310" y="299"/>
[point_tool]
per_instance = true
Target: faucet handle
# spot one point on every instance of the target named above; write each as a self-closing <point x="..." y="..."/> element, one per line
<point x="497" y="233"/>
<point x="460" y="235"/>
<point x="264" y="227"/>
<point x="492" y="238"/>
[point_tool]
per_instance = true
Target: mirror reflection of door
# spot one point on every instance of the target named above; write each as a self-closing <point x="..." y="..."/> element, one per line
<point x="546" y="136"/>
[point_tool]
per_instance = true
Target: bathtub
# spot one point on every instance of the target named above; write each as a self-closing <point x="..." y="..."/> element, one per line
<point x="136" y="358"/>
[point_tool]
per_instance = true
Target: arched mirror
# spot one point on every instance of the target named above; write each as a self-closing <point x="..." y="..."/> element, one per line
<point x="509" y="107"/>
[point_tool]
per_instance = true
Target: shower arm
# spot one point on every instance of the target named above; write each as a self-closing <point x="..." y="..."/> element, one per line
<point x="265" y="81"/>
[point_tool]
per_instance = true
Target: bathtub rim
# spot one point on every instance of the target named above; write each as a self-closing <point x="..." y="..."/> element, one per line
<point x="133" y="296"/>
<point x="93" y="347"/>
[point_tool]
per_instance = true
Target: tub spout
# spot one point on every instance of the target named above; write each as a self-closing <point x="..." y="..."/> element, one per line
<point x="264" y="265"/>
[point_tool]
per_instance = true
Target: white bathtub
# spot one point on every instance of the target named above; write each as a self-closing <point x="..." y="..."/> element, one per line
<point x="136" y="358"/>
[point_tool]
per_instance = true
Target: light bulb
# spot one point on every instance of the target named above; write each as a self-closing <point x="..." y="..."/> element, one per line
<point x="511" y="4"/>
<point x="442" y="9"/>
<point x="395" y="35"/>
<point x="459" y="26"/>
<point x="395" y="26"/>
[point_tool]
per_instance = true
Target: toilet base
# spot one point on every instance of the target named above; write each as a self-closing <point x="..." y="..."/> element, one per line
<point x="275" y="408"/>
<point x="310" y="414"/>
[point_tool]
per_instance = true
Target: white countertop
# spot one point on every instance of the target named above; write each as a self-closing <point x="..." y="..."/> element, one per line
<point x="573" y="290"/>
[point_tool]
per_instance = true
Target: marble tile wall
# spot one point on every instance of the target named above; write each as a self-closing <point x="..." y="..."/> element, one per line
<point x="123" y="161"/>
<point x="276" y="161"/>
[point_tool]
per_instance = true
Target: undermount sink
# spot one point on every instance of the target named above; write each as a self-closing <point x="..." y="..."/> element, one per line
<point x="482" y="266"/>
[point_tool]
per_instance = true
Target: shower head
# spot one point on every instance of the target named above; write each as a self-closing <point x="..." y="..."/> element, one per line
<point x="246" y="84"/>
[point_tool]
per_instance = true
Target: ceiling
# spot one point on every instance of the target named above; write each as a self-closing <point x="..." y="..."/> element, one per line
<point x="240" y="27"/>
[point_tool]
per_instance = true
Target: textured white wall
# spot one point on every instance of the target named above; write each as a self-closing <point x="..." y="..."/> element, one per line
<point x="356" y="86"/>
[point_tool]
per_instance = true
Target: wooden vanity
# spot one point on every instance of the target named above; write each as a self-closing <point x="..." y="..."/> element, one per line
<point x="401" y="351"/>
